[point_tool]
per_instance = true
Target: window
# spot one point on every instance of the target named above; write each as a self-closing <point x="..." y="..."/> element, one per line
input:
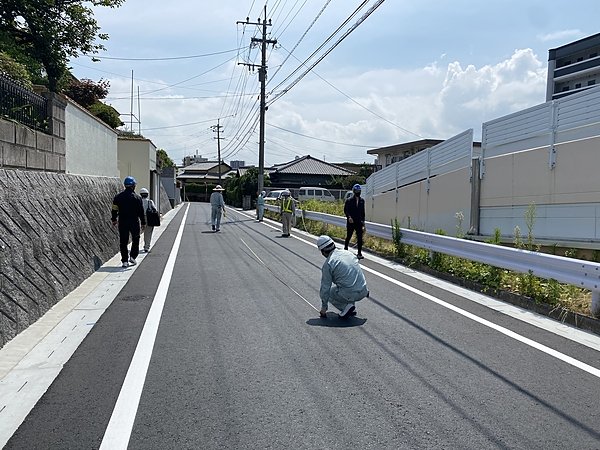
<point x="565" y="89"/>
<point x="310" y="192"/>
<point x="593" y="55"/>
<point x="577" y="85"/>
<point x="580" y="59"/>
<point x="302" y="192"/>
<point x="591" y="82"/>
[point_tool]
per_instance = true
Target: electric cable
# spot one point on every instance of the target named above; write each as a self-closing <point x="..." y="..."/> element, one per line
<point x="344" y="36"/>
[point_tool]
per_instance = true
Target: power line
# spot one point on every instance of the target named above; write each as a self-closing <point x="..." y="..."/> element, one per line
<point x="360" y="104"/>
<point x="301" y="37"/>
<point x="331" y="36"/>
<point x="169" y="58"/>
<point x="344" y="36"/>
<point x="319" y="139"/>
<point x="182" y="125"/>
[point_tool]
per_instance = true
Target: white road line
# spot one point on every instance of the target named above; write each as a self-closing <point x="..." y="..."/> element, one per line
<point x="32" y="360"/>
<point x="572" y="361"/>
<point x="121" y="421"/>
<point x="549" y="351"/>
<point x="287" y="285"/>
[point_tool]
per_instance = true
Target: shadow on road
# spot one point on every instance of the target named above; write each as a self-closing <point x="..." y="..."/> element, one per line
<point x="333" y="321"/>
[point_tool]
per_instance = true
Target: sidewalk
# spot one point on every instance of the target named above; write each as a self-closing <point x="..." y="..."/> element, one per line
<point x="31" y="361"/>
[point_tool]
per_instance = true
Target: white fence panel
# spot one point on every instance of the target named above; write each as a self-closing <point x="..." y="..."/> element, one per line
<point x="578" y="110"/>
<point x="413" y="168"/>
<point x="543" y="125"/>
<point x="516" y="131"/>
<point x="455" y="153"/>
<point x="385" y="180"/>
<point x="452" y="154"/>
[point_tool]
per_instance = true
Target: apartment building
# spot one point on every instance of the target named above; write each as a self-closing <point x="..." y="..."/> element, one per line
<point x="573" y="67"/>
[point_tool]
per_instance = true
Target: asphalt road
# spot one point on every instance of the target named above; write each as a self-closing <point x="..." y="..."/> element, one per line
<point x="242" y="361"/>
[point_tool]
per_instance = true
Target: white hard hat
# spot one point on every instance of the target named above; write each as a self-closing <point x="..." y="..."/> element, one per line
<point x="286" y="193"/>
<point x="325" y="242"/>
<point x="144" y="191"/>
<point x="263" y="193"/>
<point x="218" y="188"/>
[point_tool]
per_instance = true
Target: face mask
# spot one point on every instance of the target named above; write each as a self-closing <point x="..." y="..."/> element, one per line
<point x="357" y="194"/>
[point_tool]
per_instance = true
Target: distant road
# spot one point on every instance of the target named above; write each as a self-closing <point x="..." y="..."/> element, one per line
<point x="240" y="359"/>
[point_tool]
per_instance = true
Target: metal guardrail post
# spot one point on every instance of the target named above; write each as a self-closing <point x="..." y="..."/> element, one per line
<point x="596" y="303"/>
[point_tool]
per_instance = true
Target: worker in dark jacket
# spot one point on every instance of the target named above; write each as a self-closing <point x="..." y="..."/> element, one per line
<point x="354" y="210"/>
<point x="128" y="212"/>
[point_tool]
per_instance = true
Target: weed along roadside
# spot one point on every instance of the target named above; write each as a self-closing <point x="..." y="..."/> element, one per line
<point x="564" y="302"/>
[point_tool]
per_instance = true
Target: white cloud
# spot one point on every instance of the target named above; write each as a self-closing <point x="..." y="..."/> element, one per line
<point x="429" y="102"/>
<point x="562" y="35"/>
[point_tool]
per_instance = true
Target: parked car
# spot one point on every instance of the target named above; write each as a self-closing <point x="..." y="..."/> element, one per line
<point x="274" y="195"/>
<point x="315" y="193"/>
<point x="350" y="194"/>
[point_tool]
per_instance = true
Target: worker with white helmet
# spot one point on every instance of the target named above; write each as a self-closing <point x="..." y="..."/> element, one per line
<point x="260" y="206"/>
<point x="287" y="208"/>
<point x="342" y="280"/>
<point x="217" y="205"/>
<point x="148" y="203"/>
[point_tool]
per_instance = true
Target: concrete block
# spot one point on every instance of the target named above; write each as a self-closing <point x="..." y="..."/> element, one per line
<point x="7" y="131"/>
<point x="35" y="159"/>
<point x="59" y="146"/>
<point x="24" y="136"/>
<point x="44" y="141"/>
<point x="62" y="164"/>
<point x="52" y="162"/>
<point x="14" y="156"/>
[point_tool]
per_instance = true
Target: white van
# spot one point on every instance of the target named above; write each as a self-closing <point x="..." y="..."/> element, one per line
<point x="315" y="193"/>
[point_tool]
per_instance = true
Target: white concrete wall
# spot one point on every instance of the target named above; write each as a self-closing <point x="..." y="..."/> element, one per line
<point x="137" y="157"/>
<point x="91" y="145"/>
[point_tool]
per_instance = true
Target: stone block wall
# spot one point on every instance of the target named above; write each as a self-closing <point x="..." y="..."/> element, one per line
<point x="24" y="148"/>
<point x="55" y="231"/>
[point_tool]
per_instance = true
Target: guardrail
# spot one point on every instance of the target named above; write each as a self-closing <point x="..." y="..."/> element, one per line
<point x="584" y="274"/>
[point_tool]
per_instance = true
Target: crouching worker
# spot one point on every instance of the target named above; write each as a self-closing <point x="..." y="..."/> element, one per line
<point x="342" y="280"/>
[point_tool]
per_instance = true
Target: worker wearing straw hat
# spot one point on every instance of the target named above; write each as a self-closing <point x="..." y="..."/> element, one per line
<point x="217" y="205"/>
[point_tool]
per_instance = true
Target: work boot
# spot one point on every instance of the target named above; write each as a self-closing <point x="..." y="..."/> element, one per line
<point x="348" y="310"/>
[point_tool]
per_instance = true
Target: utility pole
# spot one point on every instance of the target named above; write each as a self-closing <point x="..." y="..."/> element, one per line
<point x="217" y="128"/>
<point x="262" y="77"/>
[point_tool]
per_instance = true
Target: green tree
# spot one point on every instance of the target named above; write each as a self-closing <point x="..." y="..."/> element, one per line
<point x="163" y="160"/>
<point x="247" y="184"/>
<point x="107" y="114"/>
<point x="15" y="70"/>
<point x="87" y="92"/>
<point x="52" y="31"/>
<point x="346" y="182"/>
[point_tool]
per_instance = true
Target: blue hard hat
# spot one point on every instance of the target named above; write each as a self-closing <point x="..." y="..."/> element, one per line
<point x="356" y="187"/>
<point x="129" y="181"/>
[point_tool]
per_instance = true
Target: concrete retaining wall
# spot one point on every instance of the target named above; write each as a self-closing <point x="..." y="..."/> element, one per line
<point x="22" y="147"/>
<point x="55" y="231"/>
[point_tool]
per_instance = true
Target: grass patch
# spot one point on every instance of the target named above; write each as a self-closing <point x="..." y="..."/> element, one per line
<point x="561" y="296"/>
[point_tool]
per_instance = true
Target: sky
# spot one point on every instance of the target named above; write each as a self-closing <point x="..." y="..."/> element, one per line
<point x="340" y="79"/>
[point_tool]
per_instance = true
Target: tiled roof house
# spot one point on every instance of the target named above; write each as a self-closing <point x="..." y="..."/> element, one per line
<point x="305" y="171"/>
<point x="204" y="172"/>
